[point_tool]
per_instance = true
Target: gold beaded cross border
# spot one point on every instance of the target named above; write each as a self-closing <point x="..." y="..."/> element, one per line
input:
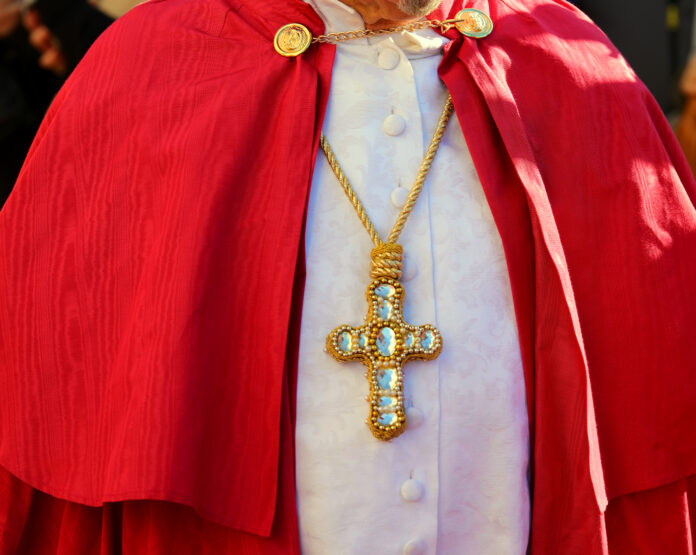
<point x="384" y="344"/>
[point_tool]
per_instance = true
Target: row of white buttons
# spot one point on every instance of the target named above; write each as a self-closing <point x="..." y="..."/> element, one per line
<point x="412" y="490"/>
<point x="394" y="125"/>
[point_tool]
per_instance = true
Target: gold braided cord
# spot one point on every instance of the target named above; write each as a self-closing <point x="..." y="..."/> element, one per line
<point x="348" y="189"/>
<point x="387" y="257"/>
<point x="367" y="33"/>
<point x="423" y="172"/>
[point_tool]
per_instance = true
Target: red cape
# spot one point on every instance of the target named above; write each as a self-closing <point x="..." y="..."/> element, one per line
<point x="153" y="239"/>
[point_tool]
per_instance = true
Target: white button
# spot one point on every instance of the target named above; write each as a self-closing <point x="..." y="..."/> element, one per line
<point x="415" y="547"/>
<point x="410" y="268"/>
<point x="414" y="417"/>
<point x="388" y="58"/>
<point x="411" y="490"/>
<point x="393" y="125"/>
<point x="399" y="196"/>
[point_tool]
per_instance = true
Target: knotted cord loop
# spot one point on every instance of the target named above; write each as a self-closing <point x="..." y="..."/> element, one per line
<point x="387" y="259"/>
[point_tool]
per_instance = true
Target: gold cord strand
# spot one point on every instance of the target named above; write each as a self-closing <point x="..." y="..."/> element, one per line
<point x="348" y="189"/>
<point x="412" y="195"/>
<point x="387" y="257"/>
<point x="423" y="172"/>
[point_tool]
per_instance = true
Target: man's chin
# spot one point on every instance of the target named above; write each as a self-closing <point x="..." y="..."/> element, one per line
<point x="418" y="8"/>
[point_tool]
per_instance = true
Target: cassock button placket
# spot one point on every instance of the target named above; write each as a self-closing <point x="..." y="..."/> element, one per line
<point x="388" y="58"/>
<point x="410" y="269"/>
<point x="399" y="196"/>
<point x="412" y="491"/>
<point x="414" y="417"/>
<point x="388" y="85"/>
<point x="415" y="547"/>
<point x="393" y="125"/>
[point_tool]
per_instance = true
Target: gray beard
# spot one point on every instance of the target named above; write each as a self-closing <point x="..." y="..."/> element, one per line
<point x="418" y="8"/>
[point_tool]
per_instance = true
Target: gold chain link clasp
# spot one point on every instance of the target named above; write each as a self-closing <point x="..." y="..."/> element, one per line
<point x="293" y="39"/>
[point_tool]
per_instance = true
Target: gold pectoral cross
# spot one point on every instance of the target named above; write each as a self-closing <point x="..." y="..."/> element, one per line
<point x="384" y="344"/>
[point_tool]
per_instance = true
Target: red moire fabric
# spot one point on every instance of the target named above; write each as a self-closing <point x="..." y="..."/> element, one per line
<point x="151" y="252"/>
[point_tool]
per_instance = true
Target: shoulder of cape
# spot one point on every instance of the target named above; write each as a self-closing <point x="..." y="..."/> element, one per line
<point x="537" y="18"/>
<point x="162" y="33"/>
<point x="556" y="63"/>
<point x="168" y="27"/>
<point x="206" y="35"/>
<point x="156" y="50"/>
<point x="157" y="24"/>
<point x="163" y="46"/>
<point x="557" y="36"/>
<point x="172" y="34"/>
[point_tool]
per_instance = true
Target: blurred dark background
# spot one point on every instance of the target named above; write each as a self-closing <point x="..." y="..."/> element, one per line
<point x="41" y="41"/>
<point x="655" y="36"/>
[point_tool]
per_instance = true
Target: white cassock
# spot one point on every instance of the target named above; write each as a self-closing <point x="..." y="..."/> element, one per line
<point x="456" y="481"/>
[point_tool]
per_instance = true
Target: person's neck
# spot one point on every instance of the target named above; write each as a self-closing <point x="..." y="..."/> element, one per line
<point x="380" y="14"/>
